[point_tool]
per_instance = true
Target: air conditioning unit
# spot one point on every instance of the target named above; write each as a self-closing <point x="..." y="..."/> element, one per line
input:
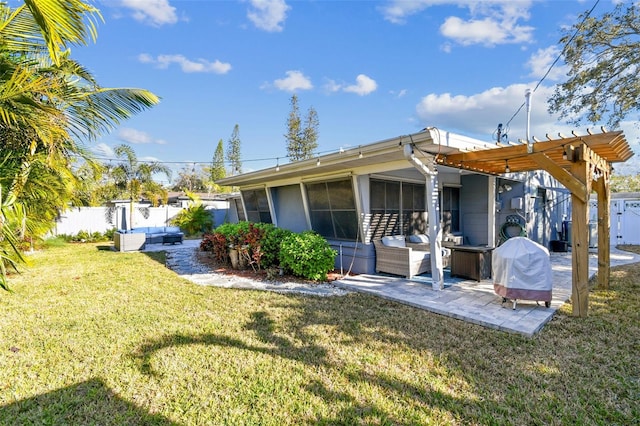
<point x="517" y="203"/>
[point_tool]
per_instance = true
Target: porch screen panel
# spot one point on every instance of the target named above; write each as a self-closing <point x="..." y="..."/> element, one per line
<point x="450" y="210"/>
<point x="239" y="209"/>
<point x="332" y="209"/>
<point x="257" y="205"/>
<point x="414" y="217"/>
<point x="385" y="208"/>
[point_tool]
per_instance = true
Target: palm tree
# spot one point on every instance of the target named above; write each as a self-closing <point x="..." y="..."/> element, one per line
<point x="135" y="178"/>
<point x="49" y="106"/>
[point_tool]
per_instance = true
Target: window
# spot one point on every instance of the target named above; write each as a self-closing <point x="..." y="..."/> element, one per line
<point x="450" y="210"/>
<point x="397" y="208"/>
<point x="332" y="209"/>
<point x="385" y="207"/>
<point x="239" y="209"/>
<point x="257" y="205"/>
<point x="414" y="219"/>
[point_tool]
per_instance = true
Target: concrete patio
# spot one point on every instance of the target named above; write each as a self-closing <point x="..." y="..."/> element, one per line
<point x="467" y="300"/>
<point x="475" y="301"/>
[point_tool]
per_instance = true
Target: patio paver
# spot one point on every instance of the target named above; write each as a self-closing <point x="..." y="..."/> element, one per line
<point x="475" y="301"/>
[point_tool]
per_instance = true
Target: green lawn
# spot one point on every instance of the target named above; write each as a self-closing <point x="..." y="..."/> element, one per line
<point x="91" y="336"/>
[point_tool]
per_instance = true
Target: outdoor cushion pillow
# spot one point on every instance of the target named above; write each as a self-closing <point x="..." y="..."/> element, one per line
<point x="393" y="241"/>
<point x="419" y="238"/>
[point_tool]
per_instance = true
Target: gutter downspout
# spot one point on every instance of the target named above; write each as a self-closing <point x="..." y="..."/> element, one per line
<point x="435" y="233"/>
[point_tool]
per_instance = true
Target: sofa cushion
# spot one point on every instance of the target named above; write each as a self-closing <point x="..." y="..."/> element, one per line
<point x="419" y="238"/>
<point x="139" y="231"/>
<point x="172" y="229"/>
<point x="394" y="241"/>
<point x="417" y="255"/>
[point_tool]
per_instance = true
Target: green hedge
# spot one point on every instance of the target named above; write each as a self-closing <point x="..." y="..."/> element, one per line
<point x="264" y="245"/>
<point x="307" y="255"/>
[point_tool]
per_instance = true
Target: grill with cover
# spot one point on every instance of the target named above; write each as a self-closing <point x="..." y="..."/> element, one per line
<point x="522" y="270"/>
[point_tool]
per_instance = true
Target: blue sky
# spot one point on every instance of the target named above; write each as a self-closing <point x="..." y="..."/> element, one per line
<point x="371" y="69"/>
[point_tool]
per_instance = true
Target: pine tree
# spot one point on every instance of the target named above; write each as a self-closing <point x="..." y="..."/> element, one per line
<point x="301" y="142"/>
<point x="311" y="132"/>
<point x="293" y="131"/>
<point x="217" y="165"/>
<point x="233" y="151"/>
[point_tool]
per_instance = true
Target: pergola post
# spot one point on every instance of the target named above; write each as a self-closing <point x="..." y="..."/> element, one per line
<point x="581" y="170"/>
<point x="601" y="186"/>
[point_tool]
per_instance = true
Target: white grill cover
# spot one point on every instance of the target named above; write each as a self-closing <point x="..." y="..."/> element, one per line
<point x="522" y="270"/>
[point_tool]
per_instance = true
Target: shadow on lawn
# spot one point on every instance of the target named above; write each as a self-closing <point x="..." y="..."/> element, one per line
<point x="90" y="402"/>
<point x="456" y="370"/>
<point x="352" y="409"/>
<point x="261" y="324"/>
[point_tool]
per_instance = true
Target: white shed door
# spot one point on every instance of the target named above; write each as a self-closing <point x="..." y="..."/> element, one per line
<point x="629" y="222"/>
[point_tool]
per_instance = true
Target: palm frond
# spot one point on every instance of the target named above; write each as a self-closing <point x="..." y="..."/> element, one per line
<point x="93" y="113"/>
<point x="64" y="22"/>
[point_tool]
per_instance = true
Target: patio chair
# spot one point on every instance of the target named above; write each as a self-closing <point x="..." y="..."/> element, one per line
<point x="394" y="257"/>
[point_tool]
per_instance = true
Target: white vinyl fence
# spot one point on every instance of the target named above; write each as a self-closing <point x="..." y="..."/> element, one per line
<point x="101" y="219"/>
<point x="625" y="220"/>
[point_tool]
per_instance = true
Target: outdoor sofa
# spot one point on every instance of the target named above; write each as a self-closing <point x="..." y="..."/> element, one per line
<point x="395" y="255"/>
<point x="136" y="238"/>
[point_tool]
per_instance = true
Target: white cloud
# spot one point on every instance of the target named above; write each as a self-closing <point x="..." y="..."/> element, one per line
<point x="396" y="11"/>
<point x="268" y="15"/>
<point x="103" y="150"/>
<point x="490" y="23"/>
<point x="364" y="85"/>
<point x="479" y="114"/>
<point x="486" y="31"/>
<point x="153" y="12"/>
<point x="331" y="86"/>
<point x="295" y="80"/>
<point x="134" y="136"/>
<point x="187" y="65"/>
<point x="541" y="60"/>
<point x="399" y="93"/>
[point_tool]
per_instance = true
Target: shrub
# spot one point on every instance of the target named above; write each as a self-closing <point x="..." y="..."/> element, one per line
<point x="194" y="219"/>
<point x="220" y="248"/>
<point x="230" y="231"/>
<point x="83" y="237"/>
<point x="88" y="237"/>
<point x="207" y="242"/>
<point x="270" y="243"/>
<point x="108" y="234"/>
<point x="250" y="245"/>
<point x="307" y="255"/>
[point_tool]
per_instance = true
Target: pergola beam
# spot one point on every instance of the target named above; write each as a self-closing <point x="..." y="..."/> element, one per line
<point x="572" y="183"/>
<point x="580" y="163"/>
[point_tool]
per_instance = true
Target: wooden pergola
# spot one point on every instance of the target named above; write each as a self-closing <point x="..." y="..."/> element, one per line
<point x="582" y="164"/>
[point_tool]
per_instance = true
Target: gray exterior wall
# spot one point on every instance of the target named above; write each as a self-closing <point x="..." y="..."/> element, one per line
<point x="540" y="202"/>
<point x="289" y="208"/>
<point x="355" y="257"/>
<point x="540" y="212"/>
<point x="474" y="209"/>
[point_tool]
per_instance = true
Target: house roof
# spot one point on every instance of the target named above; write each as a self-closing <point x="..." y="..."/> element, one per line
<point x="443" y="148"/>
<point x="380" y="156"/>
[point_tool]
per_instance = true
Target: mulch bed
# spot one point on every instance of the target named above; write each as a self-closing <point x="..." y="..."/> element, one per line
<point x="207" y="258"/>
